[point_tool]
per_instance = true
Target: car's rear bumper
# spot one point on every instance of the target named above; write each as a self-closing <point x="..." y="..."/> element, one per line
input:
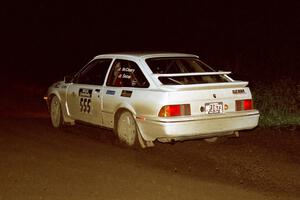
<point x="197" y="127"/>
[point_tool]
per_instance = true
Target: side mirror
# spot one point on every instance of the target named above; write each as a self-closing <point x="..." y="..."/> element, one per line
<point x="68" y="78"/>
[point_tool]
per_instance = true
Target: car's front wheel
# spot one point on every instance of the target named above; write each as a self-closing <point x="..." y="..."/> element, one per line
<point x="56" y="113"/>
<point x="128" y="132"/>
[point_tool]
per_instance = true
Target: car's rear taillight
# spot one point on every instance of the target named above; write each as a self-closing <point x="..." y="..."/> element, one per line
<point x="175" y="110"/>
<point x="245" y="104"/>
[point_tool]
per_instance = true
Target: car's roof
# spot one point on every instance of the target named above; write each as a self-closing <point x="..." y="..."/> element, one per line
<point x="145" y="55"/>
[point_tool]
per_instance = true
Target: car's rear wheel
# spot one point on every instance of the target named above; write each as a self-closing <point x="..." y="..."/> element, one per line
<point x="128" y="132"/>
<point x="56" y="113"/>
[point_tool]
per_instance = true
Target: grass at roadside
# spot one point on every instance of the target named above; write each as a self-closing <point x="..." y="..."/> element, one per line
<point x="277" y="102"/>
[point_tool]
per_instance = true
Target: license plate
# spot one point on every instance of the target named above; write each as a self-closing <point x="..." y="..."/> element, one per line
<point x="214" y="108"/>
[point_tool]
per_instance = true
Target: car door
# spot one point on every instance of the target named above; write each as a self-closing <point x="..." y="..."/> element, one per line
<point x="124" y="78"/>
<point x="84" y="95"/>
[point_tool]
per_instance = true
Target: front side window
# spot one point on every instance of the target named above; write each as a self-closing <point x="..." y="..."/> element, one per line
<point x="94" y="73"/>
<point x="125" y="73"/>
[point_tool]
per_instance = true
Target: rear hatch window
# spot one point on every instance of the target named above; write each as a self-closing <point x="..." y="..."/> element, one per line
<point x="184" y="71"/>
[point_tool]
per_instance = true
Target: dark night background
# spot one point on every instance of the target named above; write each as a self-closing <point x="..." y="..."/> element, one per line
<point x="45" y="40"/>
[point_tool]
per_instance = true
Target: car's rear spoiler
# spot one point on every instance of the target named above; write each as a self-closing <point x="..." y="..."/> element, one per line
<point x="233" y="84"/>
<point x="230" y="84"/>
<point x="192" y="74"/>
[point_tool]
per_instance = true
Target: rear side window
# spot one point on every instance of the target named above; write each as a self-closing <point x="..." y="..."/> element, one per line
<point x="125" y="73"/>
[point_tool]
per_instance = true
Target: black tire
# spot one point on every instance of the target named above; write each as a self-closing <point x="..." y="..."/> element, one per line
<point x="127" y="131"/>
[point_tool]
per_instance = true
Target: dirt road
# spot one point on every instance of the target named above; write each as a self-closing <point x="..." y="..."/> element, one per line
<point x="40" y="162"/>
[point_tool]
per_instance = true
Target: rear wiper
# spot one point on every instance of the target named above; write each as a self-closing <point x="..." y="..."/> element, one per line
<point x="180" y="83"/>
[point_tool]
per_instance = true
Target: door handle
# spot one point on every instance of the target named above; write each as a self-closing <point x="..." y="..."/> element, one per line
<point x="97" y="90"/>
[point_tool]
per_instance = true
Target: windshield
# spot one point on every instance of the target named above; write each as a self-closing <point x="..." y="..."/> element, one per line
<point x="183" y="65"/>
<point x="177" y="65"/>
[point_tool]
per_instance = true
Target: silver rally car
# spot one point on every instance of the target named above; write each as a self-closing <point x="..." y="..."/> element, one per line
<point x="145" y="97"/>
